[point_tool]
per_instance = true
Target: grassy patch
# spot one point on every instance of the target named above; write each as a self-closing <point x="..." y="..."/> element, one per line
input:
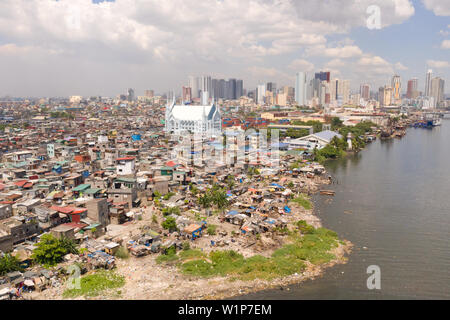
<point x="303" y="201"/>
<point x="94" y="284"/>
<point x="211" y="230"/>
<point x="191" y="253"/>
<point x="289" y="259"/>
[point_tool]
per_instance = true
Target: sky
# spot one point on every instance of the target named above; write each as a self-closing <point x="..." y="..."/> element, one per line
<point x="91" y="47"/>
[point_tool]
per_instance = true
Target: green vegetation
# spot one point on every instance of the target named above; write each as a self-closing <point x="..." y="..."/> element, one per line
<point x="214" y="196"/>
<point x="171" y="210"/>
<point x="304" y="227"/>
<point x="170" y="224"/>
<point x="190" y="254"/>
<point x="303" y="201"/>
<point x="122" y="253"/>
<point x="61" y="115"/>
<point x="336" y="148"/>
<point x="317" y="125"/>
<point x="50" y="250"/>
<point x="211" y="230"/>
<point x="9" y="263"/>
<point x="168" y="255"/>
<point x="308" y="244"/>
<point x="94" y="284"/>
<point x="168" y="195"/>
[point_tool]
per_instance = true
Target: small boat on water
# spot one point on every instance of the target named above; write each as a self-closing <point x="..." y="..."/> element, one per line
<point x="328" y="192"/>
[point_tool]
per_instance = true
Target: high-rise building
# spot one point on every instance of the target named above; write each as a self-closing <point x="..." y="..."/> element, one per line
<point x="412" y="89"/>
<point x="300" y="88"/>
<point x="187" y="94"/>
<point x="260" y="94"/>
<point x="428" y="83"/>
<point x="396" y="89"/>
<point x="437" y="90"/>
<point x="323" y="76"/>
<point x="271" y="87"/>
<point x="239" y="88"/>
<point x="364" y="91"/>
<point x="385" y="96"/>
<point x="205" y="85"/>
<point x="193" y="83"/>
<point x="149" y="93"/>
<point x="130" y="95"/>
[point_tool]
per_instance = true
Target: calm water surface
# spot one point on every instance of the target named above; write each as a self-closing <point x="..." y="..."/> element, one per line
<point x="393" y="202"/>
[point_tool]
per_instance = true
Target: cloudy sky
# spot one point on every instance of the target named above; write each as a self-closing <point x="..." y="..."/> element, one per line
<point x="95" y="47"/>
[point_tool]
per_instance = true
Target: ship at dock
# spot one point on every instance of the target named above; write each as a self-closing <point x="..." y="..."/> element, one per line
<point x="428" y="121"/>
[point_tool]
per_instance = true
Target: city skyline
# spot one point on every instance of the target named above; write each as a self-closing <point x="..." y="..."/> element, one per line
<point x="85" y="47"/>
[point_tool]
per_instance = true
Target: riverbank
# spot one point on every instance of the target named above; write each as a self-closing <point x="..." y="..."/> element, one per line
<point x="147" y="278"/>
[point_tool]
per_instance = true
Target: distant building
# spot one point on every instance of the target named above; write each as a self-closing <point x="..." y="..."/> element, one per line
<point x="428" y="83"/>
<point x="364" y="91"/>
<point x="130" y="95"/>
<point x="396" y="89"/>
<point x="437" y="90"/>
<point x="187" y="94"/>
<point x="300" y="88"/>
<point x="412" y="89"/>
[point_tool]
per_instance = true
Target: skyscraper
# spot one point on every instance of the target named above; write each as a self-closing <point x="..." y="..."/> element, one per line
<point x="239" y="88"/>
<point x="396" y="88"/>
<point x="205" y="85"/>
<point x="428" y="83"/>
<point x="272" y="87"/>
<point x="300" y="88"/>
<point x="437" y="90"/>
<point x="130" y="94"/>
<point x="412" y="89"/>
<point x="364" y="91"/>
<point x="260" y="94"/>
<point x="187" y="94"/>
<point x="193" y="83"/>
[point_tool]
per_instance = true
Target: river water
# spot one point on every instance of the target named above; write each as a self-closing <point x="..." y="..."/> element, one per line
<point x="393" y="203"/>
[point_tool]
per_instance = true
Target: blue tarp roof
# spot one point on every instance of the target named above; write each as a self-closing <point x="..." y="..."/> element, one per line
<point x="277" y="185"/>
<point x="233" y="212"/>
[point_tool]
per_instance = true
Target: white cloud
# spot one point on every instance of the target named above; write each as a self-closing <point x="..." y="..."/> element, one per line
<point x="346" y="51"/>
<point x="400" y="66"/>
<point x="445" y="44"/>
<point x="301" y="65"/>
<point x="438" y="64"/>
<point x="439" y="7"/>
<point x="187" y="36"/>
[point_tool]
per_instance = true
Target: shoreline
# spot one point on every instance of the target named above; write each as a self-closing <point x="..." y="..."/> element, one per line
<point x="145" y="279"/>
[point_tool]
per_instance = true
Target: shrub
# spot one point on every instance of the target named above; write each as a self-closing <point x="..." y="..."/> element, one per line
<point x="50" y="251"/>
<point x="303" y="201"/>
<point x="122" y="253"/>
<point x="170" y="224"/>
<point x="211" y="230"/>
<point x="9" y="263"/>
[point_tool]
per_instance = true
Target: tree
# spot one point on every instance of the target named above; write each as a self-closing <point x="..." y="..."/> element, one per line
<point x="170" y="224"/>
<point x="220" y="199"/>
<point x="50" y="250"/>
<point x="205" y="201"/>
<point x="9" y="263"/>
<point x="336" y="123"/>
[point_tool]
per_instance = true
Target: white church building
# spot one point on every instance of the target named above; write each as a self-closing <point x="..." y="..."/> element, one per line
<point x="197" y="119"/>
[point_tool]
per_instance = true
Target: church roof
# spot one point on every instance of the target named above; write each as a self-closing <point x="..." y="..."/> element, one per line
<point x="192" y="112"/>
